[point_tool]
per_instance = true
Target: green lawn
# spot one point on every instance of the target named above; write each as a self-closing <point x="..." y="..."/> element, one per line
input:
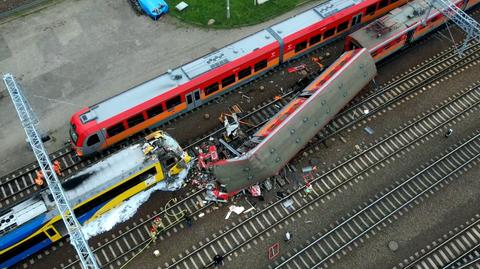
<point x="242" y="12"/>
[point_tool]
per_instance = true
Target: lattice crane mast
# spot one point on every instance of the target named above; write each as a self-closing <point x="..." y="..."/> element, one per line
<point x="29" y="122"/>
<point x="468" y="24"/>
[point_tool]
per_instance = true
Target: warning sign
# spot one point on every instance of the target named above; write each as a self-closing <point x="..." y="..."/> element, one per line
<point x="273" y="251"/>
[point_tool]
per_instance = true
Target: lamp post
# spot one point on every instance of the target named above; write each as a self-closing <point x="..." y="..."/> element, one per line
<point x="228" y="9"/>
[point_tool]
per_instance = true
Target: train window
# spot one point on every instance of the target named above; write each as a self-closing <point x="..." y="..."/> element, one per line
<point x="342" y="26"/>
<point x="383" y="4"/>
<point x="315" y="39"/>
<point x="371" y="9"/>
<point x="114" y="192"/>
<point x="115" y="129"/>
<point x="357" y="19"/>
<point x="92" y="140"/>
<point x="374" y="54"/>
<point x="51" y="232"/>
<point x="329" y="33"/>
<point x="260" y="65"/>
<point x="228" y="80"/>
<point x="154" y="111"/>
<point x="301" y="46"/>
<point x="173" y="102"/>
<point x="211" y="89"/>
<point x="135" y="120"/>
<point x="244" y="72"/>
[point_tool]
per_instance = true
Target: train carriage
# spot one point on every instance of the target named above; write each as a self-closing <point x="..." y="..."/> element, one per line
<point x="35" y="223"/>
<point x="149" y="104"/>
<point x="399" y="28"/>
<point x="290" y="129"/>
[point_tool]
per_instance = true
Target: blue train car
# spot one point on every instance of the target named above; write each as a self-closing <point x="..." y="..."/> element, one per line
<point x="35" y="223"/>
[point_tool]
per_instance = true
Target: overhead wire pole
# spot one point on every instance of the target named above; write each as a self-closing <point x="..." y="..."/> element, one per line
<point x="468" y="24"/>
<point x="29" y="120"/>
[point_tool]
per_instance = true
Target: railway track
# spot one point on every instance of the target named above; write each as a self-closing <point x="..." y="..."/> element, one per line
<point x="233" y="238"/>
<point x="110" y="253"/>
<point x="19" y="185"/>
<point x="386" y="205"/>
<point x="457" y="249"/>
<point x="416" y="80"/>
<point x="135" y="238"/>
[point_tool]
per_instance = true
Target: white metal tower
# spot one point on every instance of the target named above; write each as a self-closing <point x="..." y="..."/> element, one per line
<point x="468" y="24"/>
<point x="29" y="120"/>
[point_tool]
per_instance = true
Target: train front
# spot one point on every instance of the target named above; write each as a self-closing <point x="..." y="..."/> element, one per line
<point x="83" y="126"/>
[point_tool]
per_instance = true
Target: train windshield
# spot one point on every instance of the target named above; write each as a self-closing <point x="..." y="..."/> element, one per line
<point x="73" y="134"/>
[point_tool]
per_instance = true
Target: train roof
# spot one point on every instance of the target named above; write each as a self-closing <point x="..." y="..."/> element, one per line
<point x="391" y="25"/>
<point x="178" y="76"/>
<point x="78" y="187"/>
<point x="312" y="16"/>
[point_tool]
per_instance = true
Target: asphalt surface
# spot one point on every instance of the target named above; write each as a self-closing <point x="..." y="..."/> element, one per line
<point x="77" y="53"/>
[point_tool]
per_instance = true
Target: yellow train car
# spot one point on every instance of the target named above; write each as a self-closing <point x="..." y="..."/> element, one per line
<point x="35" y="223"/>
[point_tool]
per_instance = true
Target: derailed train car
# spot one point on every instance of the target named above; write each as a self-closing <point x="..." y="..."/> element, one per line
<point x="291" y="129"/>
<point x="35" y="223"/>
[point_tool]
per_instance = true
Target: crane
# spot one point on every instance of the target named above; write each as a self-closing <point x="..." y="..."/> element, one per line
<point x="29" y="122"/>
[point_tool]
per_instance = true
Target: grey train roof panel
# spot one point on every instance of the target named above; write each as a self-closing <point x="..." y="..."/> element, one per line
<point x="228" y="54"/>
<point x="137" y="95"/>
<point x="165" y="82"/>
<point x="390" y="25"/>
<point x="312" y="16"/>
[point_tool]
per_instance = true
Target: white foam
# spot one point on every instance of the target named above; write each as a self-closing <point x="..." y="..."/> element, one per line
<point x="114" y="166"/>
<point x="127" y="209"/>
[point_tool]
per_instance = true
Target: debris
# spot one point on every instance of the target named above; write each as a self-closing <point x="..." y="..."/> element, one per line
<point x="237" y="209"/>
<point x="228" y="214"/>
<point x="308" y="221"/>
<point x="296" y="68"/>
<point x="201" y="215"/>
<point x="181" y="6"/>
<point x="246" y="97"/>
<point x="366" y="111"/>
<point x="206" y="116"/>
<point x="248" y="210"/>
<point x="277" y="97"/>
<point x="156" y="253"/>
<point x="308" y="169"/>
<point x="369" y="130"/>
<point x="268" y="184"/>
<point x="393" y="245"/>
<point x="231" y="128"/>
<point x="235" y="109"/>
<point x="255" y="190"/>
<point x="288" y="204"/>
<point x="262" y="88"/>
<point x="327" y="54"/>
<point x="210" y="22"/>
<point x="317" y="61"/>
<point x="357" y="147"/>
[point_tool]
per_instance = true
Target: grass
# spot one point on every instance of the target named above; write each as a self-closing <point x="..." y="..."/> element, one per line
<point x="242" y="12"/>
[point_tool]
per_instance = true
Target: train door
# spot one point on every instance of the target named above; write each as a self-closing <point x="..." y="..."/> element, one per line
<point x="93" y="143"/>
<point x="193" y="99"/>
<point x="52" y="233"/>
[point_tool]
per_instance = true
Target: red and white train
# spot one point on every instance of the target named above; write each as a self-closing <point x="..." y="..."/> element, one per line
<point x="399" y="28"/>
<point x="188" y="86"/>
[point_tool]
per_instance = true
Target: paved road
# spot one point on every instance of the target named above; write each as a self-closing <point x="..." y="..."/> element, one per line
<point x="76" y="53"/>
